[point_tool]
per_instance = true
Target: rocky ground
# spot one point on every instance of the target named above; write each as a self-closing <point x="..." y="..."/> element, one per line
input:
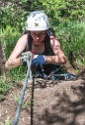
<point x="54" y="103"/>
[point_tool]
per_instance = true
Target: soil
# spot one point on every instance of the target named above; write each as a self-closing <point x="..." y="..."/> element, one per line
<point x="54" y="103"/>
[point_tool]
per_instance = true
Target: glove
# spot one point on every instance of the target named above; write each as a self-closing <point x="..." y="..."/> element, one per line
<point x="38" y="60"/>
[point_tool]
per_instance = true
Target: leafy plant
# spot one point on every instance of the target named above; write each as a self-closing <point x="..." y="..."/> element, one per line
<point x="26" y="104"/>
<point x="7" y="121"/>
<point x="71" y="35"/>
<point x="12" y="15"/>
<point x="16" y="98"/>
<point x="4" y="87"/>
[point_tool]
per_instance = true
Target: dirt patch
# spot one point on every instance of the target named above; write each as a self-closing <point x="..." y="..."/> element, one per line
<point x="55" y="103"/>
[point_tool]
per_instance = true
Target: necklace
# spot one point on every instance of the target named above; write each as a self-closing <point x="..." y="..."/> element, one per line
<point x="36" y="45"/>
<point x="39" y="45"/>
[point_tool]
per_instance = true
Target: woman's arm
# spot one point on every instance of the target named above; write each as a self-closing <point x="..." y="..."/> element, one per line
<point x="14" y="59"/>
<point x="59" y="57"/>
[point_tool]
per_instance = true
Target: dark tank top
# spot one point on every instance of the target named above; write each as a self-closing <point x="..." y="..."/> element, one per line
<point x="48" y="49"/>
<point x="46" y="68"/>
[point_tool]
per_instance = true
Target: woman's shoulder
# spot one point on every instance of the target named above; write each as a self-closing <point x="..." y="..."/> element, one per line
<point x="54" y="40"/>
<point x="23" y="40"/>
<point x="23" y="37"/>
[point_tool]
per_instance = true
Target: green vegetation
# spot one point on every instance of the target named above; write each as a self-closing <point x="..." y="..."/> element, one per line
<point x="4" y="87"/>
<point x="67" y="18"/>
<point x="7" y="121"/>
<point x="71" y="34"/>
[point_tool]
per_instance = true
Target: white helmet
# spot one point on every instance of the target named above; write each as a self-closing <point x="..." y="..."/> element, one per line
<point x="37" y="21"/>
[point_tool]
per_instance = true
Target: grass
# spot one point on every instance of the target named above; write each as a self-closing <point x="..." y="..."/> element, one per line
<point x="5" y="86"/>
<point x="8" y="82"/>
<point x="7" y="121"/>
<point x="16" y="98"/>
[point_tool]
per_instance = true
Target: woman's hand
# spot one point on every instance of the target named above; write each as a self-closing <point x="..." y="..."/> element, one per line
<point x="38" y="60"/>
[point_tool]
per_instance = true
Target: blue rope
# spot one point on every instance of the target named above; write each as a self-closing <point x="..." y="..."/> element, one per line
<point x="22" y="94"/>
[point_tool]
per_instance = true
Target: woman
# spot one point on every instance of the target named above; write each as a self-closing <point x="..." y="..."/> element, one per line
<point x="48" y="54"/>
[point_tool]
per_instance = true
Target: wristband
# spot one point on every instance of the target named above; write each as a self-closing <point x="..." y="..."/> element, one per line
<point x="46" y="59"/>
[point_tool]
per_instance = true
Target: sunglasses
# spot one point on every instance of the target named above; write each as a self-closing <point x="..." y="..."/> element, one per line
<point x="38" y="33"/>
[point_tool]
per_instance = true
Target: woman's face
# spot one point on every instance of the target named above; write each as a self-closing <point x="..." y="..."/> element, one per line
<point x="38" y="36"/>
